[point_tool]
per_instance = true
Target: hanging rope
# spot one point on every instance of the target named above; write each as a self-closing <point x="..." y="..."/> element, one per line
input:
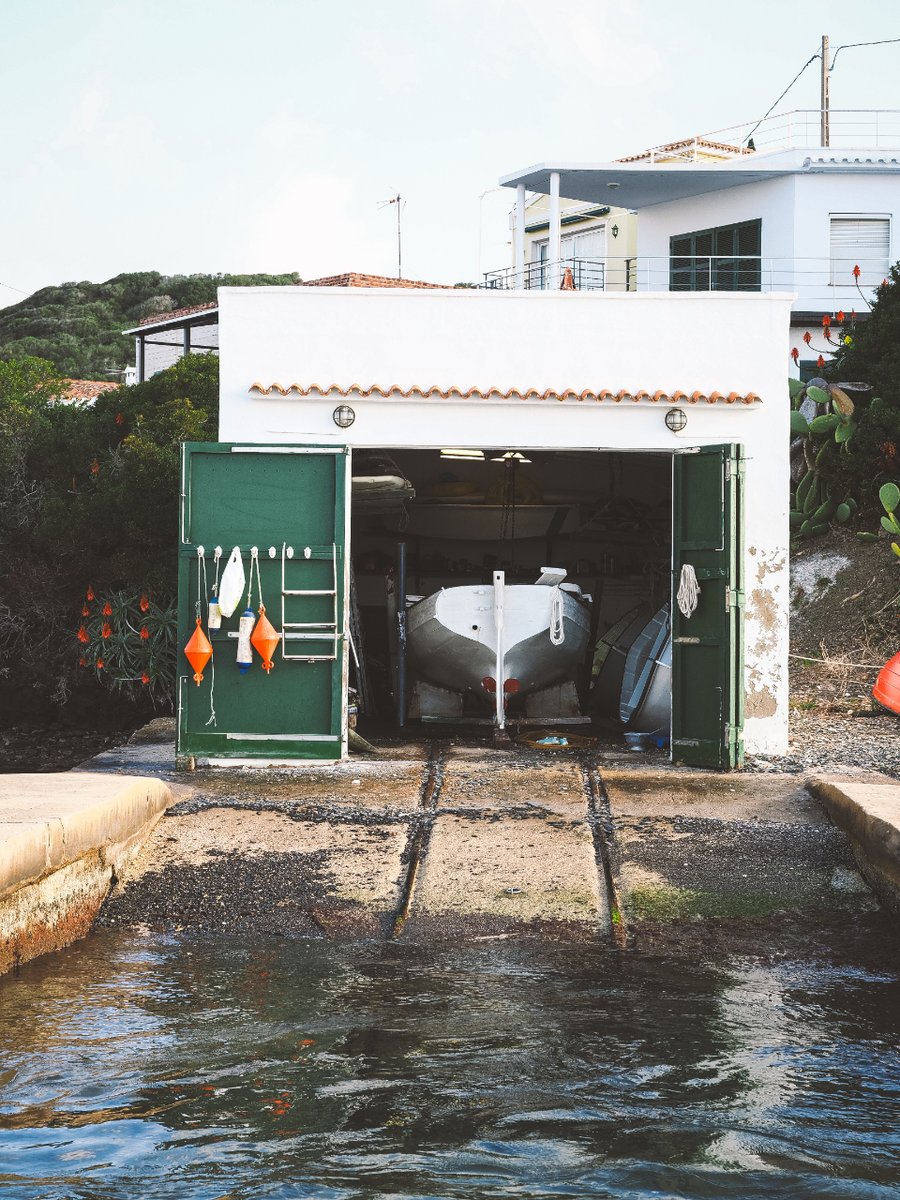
<point x="215" y="612"/>
<point x="557" y="626"/>
<point x="688" y="590"/>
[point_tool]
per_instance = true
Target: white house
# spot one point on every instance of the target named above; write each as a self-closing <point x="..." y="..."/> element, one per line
<point x="642" y="453"/>
<point x="786" y="214"/>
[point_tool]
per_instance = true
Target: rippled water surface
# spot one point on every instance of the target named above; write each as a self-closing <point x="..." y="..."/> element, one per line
<point x="158" y="1067"/>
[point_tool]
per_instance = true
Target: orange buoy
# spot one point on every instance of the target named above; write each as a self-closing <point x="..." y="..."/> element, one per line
<point x="887" y="686"/>
<point x="265" y="638"/>
<point x="198" y="652"/>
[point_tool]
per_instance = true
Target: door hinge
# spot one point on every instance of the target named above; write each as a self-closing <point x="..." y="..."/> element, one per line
<point x="734" y="598"/>
<point x="735" y="467"/>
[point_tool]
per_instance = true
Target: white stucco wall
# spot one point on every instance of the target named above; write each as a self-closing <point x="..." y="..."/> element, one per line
<point x="795" y="211"/>
<point x="335" y="338"/>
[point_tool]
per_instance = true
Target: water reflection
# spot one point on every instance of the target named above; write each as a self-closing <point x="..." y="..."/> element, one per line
<point x="159" y="1067"/>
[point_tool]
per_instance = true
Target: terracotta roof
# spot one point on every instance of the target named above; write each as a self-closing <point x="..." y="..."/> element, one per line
<point x="86" y="389"/>
<point x="719" y="149"/>
<point x="355" y="279"/>
<point x="178" y="312"/>
<point x="427" y="393"/>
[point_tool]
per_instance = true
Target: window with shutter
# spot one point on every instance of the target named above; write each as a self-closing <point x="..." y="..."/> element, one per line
<point x="860" y="240"/>
<point x="723" y="259"/>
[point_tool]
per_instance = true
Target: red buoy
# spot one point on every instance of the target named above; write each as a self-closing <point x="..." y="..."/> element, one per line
<point x="265" y="638"/>
<point x="887" y="686"/>
<point x="198" y="652"/>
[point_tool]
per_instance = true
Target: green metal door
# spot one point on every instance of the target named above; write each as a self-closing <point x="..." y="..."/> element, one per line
<point x="707" y="647"/>
<point x="290" y="502"/>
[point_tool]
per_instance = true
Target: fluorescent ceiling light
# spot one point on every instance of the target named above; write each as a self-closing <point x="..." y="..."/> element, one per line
<point x="465" y="455"/>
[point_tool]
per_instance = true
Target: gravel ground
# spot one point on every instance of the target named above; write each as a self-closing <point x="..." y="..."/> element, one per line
<point x="828" y="743"/>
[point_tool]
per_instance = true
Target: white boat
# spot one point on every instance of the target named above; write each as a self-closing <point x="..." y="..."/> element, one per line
<point x="500" y="640"/>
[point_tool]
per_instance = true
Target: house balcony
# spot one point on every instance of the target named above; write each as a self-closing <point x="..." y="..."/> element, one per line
<point x="820" y="284"/>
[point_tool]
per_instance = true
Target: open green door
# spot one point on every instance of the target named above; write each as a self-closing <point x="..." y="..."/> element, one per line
<point x="707" y="647"/>
<point x="290" y="502"/>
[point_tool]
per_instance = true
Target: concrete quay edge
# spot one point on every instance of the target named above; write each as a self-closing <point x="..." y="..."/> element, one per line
<point x="867" y="808"/>
<point x="48" y="821"/>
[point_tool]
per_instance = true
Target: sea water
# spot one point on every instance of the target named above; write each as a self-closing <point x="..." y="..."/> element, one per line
<point x="145" y="1065"/>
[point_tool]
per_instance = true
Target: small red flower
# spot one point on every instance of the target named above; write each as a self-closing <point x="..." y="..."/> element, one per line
<point x="795" y="354"/>
<point x="99" y="664"/>
<point x="89" y="593"/>
<point x="884" y="283"/>
<point x="85" y="612"/>
<point x="82" y="661"/>
<point x="826" y="321"/>
<point x="83" y="635"/>
<point x="145" y="678"/>
<point x="145" y="633"/>
<point x="820" y="361"/>
<point x="840" y="316"/>
<point x="852" y="314"/>
<point x="807" y="337"/>
<point x="95" y="467"/>
<point x="145" y="602"/>
<point x="107" y="609"/>
<point x="106" y="630"/>
<point x="120" y="419"/>
<point x="856" y="272"/>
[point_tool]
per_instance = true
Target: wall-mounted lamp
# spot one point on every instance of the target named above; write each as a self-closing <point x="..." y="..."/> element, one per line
<point x="612" y="184"/>
<point x="343" y="416"/>
<point x="511" y="456"/>
<point x="676" y="419"/>
<point x="615" y="231"/>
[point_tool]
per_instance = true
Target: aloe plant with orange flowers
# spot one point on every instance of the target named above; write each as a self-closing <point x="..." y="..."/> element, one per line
<point x="128" y="640"/>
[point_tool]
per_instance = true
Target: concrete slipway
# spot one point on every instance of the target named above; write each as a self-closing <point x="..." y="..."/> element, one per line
<point x="434" y="839"/>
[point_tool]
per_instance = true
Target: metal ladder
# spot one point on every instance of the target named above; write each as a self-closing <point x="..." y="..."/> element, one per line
<point x="310" y="631"/>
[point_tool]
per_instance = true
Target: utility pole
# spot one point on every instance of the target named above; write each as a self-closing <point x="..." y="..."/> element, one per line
<point x="826" y="131"/>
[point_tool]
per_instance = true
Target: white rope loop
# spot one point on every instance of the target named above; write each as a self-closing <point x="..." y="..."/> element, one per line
<point x="557" y="626"/>
<point x="688" y="590"/>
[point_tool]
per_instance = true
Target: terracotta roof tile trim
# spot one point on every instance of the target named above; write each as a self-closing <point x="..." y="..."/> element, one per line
<point x="676" y="397"/>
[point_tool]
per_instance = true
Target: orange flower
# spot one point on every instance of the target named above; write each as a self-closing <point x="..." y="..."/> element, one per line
<point x="82" y="661"/>
<point x="840" y="316"/>
<point x="95" y="467"/>
<point x="99" y="664"/>
<point x="85" y="612"/>
<point x="120" y="419"/>
<point x="145" y="633"/>
<point x="820" y="362"/>
<point x="145" y="678"/>
<point x="107" y="609"/>
<point x="795" y="354"/>
<point x="89" y="593"/>
<point x="83" y="635"/>
<point x="106" y="630"/>
<point x="807" y="337"/>
<point x="826" y="321"/>
<point x="145" y="602"/>
<point x="856" y="272"/>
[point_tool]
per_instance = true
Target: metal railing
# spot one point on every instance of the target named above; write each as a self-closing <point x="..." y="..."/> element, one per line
<point x="588" y="275"/>
<point x="798" y="129"/>
<point x="819" y="282"/>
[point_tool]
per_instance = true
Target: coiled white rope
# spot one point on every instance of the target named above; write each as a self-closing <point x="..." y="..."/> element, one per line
<point x="557" y="627"/>
<point x="688" y="590"/>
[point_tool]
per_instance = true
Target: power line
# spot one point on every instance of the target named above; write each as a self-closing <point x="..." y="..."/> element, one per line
<point x="854" y="45"/>
<point x="808" y="63"/>
<point x="14" y="289"/>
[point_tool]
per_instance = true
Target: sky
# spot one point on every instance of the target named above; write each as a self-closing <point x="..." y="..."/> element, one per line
<point x="266" y="135"/>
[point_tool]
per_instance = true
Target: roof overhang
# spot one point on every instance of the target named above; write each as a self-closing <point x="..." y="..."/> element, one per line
<point x="209" y="316"/>
<point x="641" y="184"/>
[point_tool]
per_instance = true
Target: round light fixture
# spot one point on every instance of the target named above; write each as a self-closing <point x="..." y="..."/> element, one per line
<point x="676" y="419"/>
<point x="343" y="416"/>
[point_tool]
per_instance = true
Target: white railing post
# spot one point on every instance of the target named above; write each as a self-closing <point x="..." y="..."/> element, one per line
<point x="554" y="249"/>
<point x="519" y="281"/>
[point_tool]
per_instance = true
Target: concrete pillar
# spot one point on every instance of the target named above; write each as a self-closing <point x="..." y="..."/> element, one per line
<point x="520" y="236"/>
<point x="554" y="251"/>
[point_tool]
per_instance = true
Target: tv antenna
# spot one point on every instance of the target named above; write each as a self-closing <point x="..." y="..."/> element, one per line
<point x="401" y="204"/>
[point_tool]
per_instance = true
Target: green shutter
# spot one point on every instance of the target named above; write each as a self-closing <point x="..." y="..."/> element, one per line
<point x="707" y="648"/>
<point x="236" y="494"/>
